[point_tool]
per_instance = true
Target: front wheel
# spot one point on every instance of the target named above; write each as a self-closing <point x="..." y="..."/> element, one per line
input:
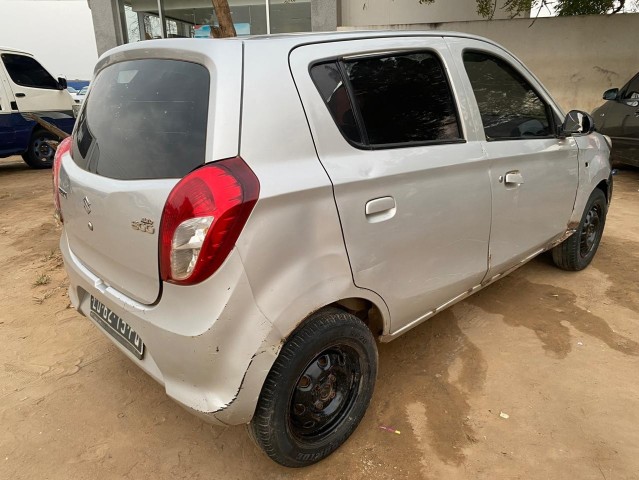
<point x="317" y="390"/>
<point x="39" y="153"/>
<point x="578" y="250"/>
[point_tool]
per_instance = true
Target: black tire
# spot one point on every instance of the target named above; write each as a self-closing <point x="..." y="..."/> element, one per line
<point x="317" y="390"/>
<point x="39" y="154"/>
<point x="577" y="251"/>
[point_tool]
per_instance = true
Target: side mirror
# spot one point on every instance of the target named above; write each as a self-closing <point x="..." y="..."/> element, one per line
<point x="62" y="83"/>
<point x="577" y="123"/>
<point x="611" y="94"/>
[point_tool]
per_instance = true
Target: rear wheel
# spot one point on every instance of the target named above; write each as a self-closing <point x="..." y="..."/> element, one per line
<point x="577" y="251"/>
<point x="317" y="391"/>
<point x="39" y="153"/>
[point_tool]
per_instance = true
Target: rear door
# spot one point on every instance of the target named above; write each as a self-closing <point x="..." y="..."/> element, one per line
<point x="533" y="174"/>
<point x="144" y="125"/>
<point x="410" y="179"/>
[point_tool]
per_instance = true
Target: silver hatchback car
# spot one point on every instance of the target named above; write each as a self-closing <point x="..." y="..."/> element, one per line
<point x="245" y="218"/>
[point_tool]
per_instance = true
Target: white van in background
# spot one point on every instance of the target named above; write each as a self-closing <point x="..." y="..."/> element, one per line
<point x="27" y="87"/>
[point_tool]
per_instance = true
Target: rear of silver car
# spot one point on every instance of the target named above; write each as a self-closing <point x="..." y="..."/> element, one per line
<point x="152" y="169"/>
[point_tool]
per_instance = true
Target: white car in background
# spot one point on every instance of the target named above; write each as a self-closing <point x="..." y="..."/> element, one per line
<point x="78" y="95"/>
<point x="26" y="87"/>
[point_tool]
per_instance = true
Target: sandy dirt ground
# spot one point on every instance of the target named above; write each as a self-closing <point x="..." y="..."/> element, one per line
<point x="557" y="352"/>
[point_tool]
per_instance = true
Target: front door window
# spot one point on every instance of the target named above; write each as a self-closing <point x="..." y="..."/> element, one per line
<point x="509" y="107"/>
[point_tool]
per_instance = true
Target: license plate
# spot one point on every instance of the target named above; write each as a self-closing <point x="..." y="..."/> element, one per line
<point x="116" y="327"/>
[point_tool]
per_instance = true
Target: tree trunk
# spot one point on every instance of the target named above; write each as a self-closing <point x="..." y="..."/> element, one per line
<point x="223" y="14"/>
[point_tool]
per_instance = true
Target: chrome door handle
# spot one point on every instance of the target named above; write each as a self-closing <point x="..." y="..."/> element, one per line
<point x="513" y="179"/>
<point x="380" y="209"/>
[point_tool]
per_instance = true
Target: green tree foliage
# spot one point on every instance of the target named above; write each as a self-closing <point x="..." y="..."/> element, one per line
<point x="487" y="8"/>
<point x="589" y="7"/>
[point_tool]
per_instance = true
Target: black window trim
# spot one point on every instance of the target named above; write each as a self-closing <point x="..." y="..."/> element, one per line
<point x="339" y="60"/>
<point x="359" y="120"/>
<point x="550" y="111"/>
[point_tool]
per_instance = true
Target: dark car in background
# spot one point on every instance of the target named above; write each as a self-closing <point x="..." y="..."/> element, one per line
<point x="619" y="119"/>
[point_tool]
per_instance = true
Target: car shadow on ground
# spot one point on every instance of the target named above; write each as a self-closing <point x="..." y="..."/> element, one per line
<point x="12" y="165"/>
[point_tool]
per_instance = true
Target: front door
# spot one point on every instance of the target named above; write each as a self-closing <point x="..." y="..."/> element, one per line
<point x="410" y="178"/>
<point x="533" y="173"/>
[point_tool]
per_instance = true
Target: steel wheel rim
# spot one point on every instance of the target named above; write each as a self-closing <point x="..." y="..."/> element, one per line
<point x="325" y="393"/>
<point x="42" y="150"/>
<point x="590" y="231"/>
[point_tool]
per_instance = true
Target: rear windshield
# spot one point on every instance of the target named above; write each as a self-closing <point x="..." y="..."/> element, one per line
<point x="144" y="119"/>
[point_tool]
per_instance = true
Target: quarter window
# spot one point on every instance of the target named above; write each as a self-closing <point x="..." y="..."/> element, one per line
<point x="402" y="99"/>
<point x="509" y="106"/>
<point x="27" y="72"/>
<point x="328" y="80"/>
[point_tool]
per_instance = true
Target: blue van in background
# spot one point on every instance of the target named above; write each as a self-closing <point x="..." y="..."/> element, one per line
<point x="27" y="87"/>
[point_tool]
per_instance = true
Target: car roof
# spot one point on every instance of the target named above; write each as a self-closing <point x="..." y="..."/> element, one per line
<point x="313" y="37"/>
<point x="279" y="42"/>
<point x="14" y="50"/>
<point x="293" y="40"/>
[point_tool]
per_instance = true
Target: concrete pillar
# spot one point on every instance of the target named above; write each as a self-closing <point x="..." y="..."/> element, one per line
<point x="324" y="15"/>
<point x="106" y="24"/>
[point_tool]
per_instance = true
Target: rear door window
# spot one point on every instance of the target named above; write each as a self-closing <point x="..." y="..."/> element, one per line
<point x="401" y="99"/>
<point x="27" y="72"/>
<point x="144" y="119"/>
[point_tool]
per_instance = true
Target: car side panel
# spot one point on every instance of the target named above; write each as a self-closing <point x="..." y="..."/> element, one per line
<point x="594" y="168"/>
<point x="525" y="217"/>
<point x="435" y="245"/>
<point x="292" y="246"/>
<point x="617" y="120"/>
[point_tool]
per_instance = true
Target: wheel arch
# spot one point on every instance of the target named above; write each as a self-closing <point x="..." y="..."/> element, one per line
<point x="594" y="172"/>
<point x="367" y="311"/>
<point x="371" y="311"/>
<point x="606" y="187"/>
<point x="242" y="408"/>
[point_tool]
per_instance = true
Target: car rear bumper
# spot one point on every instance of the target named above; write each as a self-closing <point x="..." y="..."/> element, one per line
<point x="208" y="344"/>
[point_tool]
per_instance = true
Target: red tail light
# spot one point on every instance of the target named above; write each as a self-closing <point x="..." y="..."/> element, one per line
<point x="63" y="147"/>
<point x="202" y="219"/>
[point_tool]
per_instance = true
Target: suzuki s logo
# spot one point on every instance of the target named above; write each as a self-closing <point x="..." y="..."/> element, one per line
<point x="145" y="225"/>
<point x="86" y="204"/>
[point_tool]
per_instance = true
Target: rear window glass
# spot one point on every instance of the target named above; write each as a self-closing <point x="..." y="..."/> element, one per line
<point x="144" y="119"/>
